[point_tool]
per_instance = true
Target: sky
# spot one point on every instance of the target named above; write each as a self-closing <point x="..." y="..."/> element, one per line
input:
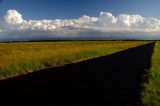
<point x="79" y="19"/>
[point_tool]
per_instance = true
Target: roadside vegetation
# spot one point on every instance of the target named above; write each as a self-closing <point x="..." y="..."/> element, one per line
<point x="151" y="93"/>
<point x="24" y="57"/>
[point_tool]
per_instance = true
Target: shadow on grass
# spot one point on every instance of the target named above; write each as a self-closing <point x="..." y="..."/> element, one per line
<point x="112" y="80"/>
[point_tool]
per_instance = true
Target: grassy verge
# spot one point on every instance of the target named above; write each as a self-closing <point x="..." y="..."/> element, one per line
<point x="21" y="58"/>
<point x="151" y="94"/>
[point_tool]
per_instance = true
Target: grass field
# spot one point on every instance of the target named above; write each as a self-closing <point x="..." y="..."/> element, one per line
<point x="151" y="94"/>
<point x="23" y="57"/>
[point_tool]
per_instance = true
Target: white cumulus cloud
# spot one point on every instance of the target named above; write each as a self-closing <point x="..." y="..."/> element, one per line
<point x="105" y="20"/>
<point x="13" y="17"/>
<point x="124" y="20"/>
<point x="105" y="23"/>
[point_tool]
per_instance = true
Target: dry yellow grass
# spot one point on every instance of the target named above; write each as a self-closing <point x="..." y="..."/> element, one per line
<point x="23" y="57"/>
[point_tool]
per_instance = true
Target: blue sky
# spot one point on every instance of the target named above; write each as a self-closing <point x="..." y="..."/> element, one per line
<point x="139" y="19"/>
<point x="51" y="9"/>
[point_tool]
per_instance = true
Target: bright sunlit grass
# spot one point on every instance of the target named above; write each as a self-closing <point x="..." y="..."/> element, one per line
<point x="23" y="57"/>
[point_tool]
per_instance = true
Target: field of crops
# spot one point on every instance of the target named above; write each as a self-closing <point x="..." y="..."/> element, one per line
<point x="23" y="57"/>
<point x="151" y="94"/>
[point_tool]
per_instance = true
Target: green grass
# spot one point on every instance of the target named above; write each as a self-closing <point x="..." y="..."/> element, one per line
<point x="151" y="93"/>
<point x="24" y="57"/>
